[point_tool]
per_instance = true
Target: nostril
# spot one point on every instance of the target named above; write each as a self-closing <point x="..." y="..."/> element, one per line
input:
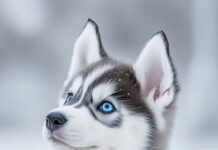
<point x="47" y="120"/>
<point x="57" y="122"/>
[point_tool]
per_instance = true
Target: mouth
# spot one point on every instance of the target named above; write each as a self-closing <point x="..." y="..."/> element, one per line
<point x="57" y="141"/>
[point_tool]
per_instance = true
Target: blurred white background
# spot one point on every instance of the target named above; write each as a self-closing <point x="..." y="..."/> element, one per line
<point x="36" y="43"/>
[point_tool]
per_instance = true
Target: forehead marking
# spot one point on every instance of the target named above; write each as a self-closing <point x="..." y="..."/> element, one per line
<point x="76" y="84"/>
<point x="96" y="73"/>
<point x="102" y="91"/>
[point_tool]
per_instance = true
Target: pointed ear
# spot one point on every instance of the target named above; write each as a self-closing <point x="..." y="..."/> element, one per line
<point x="88" y="48"/>
<point x="156" y="74"/>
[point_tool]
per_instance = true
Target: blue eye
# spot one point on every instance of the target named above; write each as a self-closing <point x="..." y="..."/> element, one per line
<point x="106" y="107"/>
<point x="69" y="98"/>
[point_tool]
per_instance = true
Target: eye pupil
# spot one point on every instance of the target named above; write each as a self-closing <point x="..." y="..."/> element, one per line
<point x="69" y="98"/>
<point x="106" y="107"/>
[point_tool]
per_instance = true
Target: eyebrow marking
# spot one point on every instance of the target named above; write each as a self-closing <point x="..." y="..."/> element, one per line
<point x="96" y="73"/>
<point x="76" y="85"/>
<point x="103" y="90"/>
<point x="77" y="95"/>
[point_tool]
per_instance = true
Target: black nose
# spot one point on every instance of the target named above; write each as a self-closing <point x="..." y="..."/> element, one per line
<point x="55" y="120"/>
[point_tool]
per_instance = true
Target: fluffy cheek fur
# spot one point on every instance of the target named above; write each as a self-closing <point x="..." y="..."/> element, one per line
<point x="82" y="130"/>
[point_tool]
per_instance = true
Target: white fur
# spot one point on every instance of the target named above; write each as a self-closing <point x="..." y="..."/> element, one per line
<point x="102" y="91"/>
<point x="157" y="107"/>
<point x="76" y="84"/>
<point x="153" y="70"/>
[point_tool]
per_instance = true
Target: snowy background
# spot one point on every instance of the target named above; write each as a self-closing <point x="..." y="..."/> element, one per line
<point x="36" y="41"/>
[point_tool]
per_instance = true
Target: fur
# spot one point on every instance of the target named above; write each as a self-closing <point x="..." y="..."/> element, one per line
<point x="143" y="96"/>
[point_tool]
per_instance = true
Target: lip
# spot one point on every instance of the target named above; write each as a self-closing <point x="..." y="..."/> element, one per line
<point x="55" y="140"/>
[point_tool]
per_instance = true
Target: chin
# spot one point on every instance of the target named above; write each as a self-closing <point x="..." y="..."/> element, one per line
<point x="54" y="144"/>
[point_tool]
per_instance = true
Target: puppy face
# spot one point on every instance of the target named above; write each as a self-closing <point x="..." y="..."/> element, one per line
<point x="107" y="105"/>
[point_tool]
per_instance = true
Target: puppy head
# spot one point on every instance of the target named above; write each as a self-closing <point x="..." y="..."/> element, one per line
<point x="108" y="105"/>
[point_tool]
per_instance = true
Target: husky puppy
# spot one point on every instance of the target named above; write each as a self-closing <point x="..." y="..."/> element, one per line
<point x="109" y="105"/>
